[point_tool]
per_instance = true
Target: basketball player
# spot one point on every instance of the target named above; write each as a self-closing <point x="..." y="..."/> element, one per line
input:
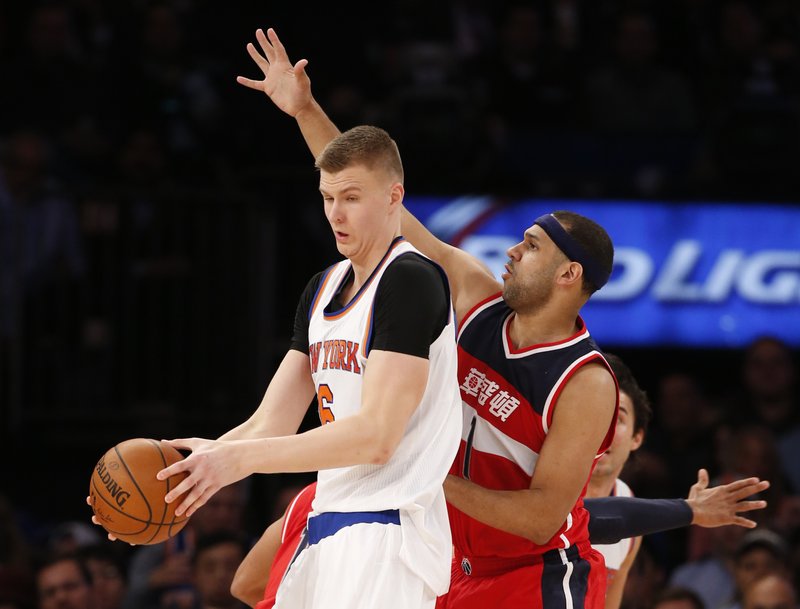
<point x="375" y="340"/>
<point x="539" y="399"/>
<point x="634" y="414"/>
<point x="260" y="573"/>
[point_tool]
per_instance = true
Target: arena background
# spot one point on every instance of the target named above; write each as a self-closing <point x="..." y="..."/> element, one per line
<point x="158" y="221"/>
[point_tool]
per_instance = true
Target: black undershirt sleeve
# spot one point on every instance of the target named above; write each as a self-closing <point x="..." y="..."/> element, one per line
<point x="412" y="306"/>
<point x="614" y="518"/>
<point x="300" y="334"/>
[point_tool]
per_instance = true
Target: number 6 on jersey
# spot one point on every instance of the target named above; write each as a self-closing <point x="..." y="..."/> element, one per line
<point x="324" y="403"/>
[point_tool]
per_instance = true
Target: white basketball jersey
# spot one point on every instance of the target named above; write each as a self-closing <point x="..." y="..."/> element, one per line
<point x="615" y="553"/>
<point x="411" y="480"/>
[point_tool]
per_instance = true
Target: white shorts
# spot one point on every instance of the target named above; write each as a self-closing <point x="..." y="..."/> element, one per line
<point x="356" y="567"/>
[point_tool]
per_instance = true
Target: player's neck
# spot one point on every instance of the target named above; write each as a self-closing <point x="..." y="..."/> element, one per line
<point x="601" y="486"/>
<point x="541" y="327"/>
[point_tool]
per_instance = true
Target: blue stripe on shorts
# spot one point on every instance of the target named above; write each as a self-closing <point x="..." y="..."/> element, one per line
<point x="328" y="523"/>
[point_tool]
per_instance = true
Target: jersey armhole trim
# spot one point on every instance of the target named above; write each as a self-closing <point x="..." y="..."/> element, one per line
<point x="552" y="399"/>
<point x="475" y="310"/>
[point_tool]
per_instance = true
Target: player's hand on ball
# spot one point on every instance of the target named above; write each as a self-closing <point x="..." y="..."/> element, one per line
<point x="212" y="465"/>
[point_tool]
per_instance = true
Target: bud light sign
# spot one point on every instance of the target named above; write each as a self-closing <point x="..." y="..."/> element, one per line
<point x="687" y="274"/>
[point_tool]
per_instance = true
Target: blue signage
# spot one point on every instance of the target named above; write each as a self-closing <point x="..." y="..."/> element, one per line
<point x="685" y="274"/>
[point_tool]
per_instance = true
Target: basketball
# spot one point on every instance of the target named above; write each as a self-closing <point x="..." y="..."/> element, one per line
<point x="128" y="499"/>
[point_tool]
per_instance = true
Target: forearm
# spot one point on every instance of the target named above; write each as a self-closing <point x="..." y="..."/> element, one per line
<point x="315" y="126"/>
<point x="614" y="518"/>
<point x="510" y="511"/>
<point x="351" y="441"/>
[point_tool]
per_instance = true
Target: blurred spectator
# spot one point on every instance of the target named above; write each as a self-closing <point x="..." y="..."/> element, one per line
<point x="678" y="598"/>
<point x="633" y="94"/>
<point x="64" y="582"/>
<point x="69" y="537"/>
<point x="16" y="588"/>
<point x="53" y="88"/>
<point x="761" y="552"/>
<point x="770" y="592"/>
<point x="711" y="576"/>
<point x="15" y="550"/>
<point x="645" y="580"/>
<point x="682" y="436"/>
<point x="770" y="397"/>
<point x="214" y="563"/>
<point x="109" y="574"/>
<point x="162" y="573"/>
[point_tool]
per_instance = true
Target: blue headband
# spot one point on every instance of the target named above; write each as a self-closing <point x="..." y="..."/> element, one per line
<point x="572" y="249"/>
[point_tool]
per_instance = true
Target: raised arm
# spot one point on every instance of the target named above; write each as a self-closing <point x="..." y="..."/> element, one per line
<point x="289" y="88"/>
<point x="470" y="280"/>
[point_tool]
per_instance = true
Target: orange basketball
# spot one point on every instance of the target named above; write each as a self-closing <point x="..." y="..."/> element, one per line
<point x="128" y="499"/>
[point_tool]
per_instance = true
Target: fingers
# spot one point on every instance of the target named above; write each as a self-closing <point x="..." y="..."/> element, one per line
<point x="751" y="486"/>
<point x="249" y="83"/>
<point x="276" y="43"/>
<point x="260" y="60"/>
<point x="196" y="498"/>
<point x="749" y="506"/>
<point x="702" y="479"/>
<point x="266" y="46"/>
<point x="300" y="67"/>
<point x="744" y="522"/>
<point x="200" y="502"/>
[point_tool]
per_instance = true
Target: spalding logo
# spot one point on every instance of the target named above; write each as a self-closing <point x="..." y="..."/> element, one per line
<point x="113" y="487"/>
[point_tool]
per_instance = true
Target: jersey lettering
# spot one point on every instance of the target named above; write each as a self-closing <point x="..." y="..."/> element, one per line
<point x="336" y="355"/>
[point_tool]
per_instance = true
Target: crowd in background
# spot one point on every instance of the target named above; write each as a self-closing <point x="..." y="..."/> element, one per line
<point x="145" y="199"/>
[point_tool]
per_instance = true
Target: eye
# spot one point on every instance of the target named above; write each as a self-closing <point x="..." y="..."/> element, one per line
<point x="352" y="198"/>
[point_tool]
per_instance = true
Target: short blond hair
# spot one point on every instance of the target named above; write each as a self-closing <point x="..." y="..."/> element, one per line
<point x="362" y="145"/>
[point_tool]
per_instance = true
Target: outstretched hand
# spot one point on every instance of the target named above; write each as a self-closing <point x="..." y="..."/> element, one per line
<point x="721" y="505"/>
<point x="211" y="465"/>
<point x="287" y="85"/>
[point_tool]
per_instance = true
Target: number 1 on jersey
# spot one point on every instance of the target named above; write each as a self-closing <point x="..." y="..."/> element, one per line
<point x="324" y="403"/>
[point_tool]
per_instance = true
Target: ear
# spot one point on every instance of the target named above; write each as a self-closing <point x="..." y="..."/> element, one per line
<point x="396" y="195"/>
<point x="638" y="439"/>
<point x="571" y="273"/>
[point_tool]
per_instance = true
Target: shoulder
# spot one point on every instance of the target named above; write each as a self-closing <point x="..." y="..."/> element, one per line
<point x="411" y="266"/>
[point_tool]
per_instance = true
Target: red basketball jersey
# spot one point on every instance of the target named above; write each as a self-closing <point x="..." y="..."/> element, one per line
<point x="508" y="398"/>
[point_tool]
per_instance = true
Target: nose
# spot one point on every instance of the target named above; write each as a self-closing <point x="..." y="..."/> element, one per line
<point x="335" y="211"/>
<point x="513" y="251"/>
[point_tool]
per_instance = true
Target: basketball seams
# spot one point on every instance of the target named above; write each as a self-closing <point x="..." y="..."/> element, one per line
<point x="138" y="457"/>
<point x="157" y="446"/>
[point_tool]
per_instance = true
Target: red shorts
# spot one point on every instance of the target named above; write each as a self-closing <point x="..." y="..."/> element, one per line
<point x="544" y="584"/>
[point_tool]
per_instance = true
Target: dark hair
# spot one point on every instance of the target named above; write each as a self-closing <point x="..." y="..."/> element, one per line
<point x="642" y="410"/>
<point x="679" y="594"/>
<point x="362" y="145"/>
<point x="54" y="559"/>
<point x="105" y="552"/>
<point x="206" y="542"/>
<point x="593" y="238"/>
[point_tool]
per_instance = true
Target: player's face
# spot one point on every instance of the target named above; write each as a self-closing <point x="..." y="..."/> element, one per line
<point x="531" y="271"/>
<point x="62" y="586"/>
<point x="214" y="571"/>
<point x="358" y="205"/>
<point x="625" y="441"/>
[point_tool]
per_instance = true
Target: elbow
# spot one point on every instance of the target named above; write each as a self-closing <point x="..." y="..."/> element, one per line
<point x="243" y="591"/>
<point x="541" y="531"/>
<point x="381" y="452"/>
<point x="539" y="537"/>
